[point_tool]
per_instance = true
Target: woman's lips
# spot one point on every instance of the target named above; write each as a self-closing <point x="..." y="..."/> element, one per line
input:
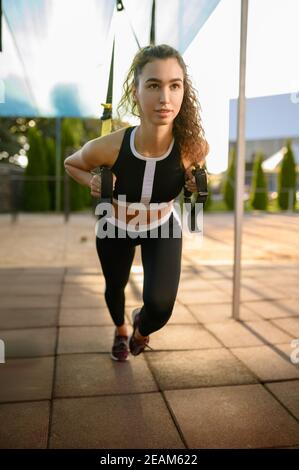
<point x="164" y="113"/>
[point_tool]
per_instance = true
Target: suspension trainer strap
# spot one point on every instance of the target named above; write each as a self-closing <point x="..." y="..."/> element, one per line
<point x="106" y="183"/>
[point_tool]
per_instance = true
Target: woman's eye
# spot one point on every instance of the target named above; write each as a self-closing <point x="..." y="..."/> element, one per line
<point x="174" y="85"/>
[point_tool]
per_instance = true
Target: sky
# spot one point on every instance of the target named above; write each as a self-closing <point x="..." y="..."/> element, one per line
<point x="212" y="61"/>
<point x="212" y="58"/>
<point x="272" y="65"/>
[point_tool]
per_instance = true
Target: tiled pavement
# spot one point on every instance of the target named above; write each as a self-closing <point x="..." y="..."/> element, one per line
<point x="211" y="382"/>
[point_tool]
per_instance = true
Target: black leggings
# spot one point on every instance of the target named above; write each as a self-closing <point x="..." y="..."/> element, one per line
<point x="161" y="260"/>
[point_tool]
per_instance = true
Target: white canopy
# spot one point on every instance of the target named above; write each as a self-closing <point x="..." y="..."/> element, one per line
<point x="56" y="53"/>
<point x="272" y="163"/>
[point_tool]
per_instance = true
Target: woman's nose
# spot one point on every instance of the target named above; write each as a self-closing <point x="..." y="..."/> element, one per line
<point x="164" y="98"/>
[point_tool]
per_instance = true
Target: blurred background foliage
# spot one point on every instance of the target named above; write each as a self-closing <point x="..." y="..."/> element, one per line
<point x="30" y="145"/>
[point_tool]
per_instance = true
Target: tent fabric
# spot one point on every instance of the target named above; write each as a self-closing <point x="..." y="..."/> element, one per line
<point x="52" y="55"/>
<point x="56" y="54"/>
<point x="272" y="163"/>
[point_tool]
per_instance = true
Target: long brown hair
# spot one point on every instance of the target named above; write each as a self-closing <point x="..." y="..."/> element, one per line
<point x="187" y="126"/>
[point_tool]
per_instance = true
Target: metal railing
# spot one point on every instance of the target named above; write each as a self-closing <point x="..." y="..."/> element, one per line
<point x="15" y="187"/>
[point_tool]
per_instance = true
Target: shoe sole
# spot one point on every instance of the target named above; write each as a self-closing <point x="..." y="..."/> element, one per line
<point x="119" y="360"/>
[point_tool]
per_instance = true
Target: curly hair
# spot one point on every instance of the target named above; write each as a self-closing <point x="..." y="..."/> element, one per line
<point x="187" y="126"/>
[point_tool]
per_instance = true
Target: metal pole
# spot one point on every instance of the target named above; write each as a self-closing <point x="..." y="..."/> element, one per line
<point x="13" y="198"/>
<point x="66" y="180"/>
<point x="240" y="165"/>
<point x="153" y="25"/>
<point x="58" y="165"/>
<point x="291" y="197"/>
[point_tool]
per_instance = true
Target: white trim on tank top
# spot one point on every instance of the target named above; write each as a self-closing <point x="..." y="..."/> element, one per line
<point x="142" y="157"/>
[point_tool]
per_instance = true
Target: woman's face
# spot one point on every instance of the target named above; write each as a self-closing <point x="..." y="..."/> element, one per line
<point x="160" y="87"/>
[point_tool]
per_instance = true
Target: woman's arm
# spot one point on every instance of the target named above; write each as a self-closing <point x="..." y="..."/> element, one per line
<point x="93" y="154"/>
<point x="77" y="169"/>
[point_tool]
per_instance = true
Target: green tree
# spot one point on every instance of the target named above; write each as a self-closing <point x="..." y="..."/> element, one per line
<point x="259" y="192"/>
<point x="287" y="180"/>
<point x="36" y="191"/>
<point x="229" y="181"/>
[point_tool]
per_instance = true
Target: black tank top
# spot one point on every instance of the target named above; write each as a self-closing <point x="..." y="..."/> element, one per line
<point x="147" y="179"/>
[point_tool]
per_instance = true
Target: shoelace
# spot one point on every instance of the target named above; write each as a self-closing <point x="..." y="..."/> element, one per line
<point x="146" y="345"/>
<point x="122" y="341"/>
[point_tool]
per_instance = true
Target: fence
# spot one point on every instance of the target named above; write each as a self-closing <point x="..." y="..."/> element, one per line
<point x="12" y="190"/>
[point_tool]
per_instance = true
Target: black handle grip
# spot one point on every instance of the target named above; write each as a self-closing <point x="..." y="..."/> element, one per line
<point x="201" y="184"/>
<point x="106" y="176"/>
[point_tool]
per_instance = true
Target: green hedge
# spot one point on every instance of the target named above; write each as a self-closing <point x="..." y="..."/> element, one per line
<point x="287" y="180"/>
<point x="36" y="191"/>
<point x="259" y="192"/>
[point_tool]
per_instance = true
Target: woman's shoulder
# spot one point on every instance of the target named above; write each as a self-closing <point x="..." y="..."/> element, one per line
<point x="116" y="138"/>
<point x="107" y="146"/>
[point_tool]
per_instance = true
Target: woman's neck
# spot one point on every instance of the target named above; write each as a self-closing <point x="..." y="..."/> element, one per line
<point x="153" y="141"/>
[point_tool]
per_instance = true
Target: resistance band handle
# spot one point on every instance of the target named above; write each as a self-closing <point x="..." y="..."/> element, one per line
<point x="106" y="176"/>
<point x="201" y="184"/>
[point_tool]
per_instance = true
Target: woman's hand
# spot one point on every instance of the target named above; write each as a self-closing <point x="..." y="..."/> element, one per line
<point x="95" y="186"/>
<point x="190" y="182"/>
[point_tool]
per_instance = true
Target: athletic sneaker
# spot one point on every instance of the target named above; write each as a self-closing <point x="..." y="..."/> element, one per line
<point x="137" y="346"/>
<point x="120" y="350"/>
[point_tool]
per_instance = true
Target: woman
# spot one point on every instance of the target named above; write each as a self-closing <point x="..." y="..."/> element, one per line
<point x="151" y="163"/>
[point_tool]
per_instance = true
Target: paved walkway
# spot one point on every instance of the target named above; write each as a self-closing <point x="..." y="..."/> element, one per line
<point x="211" y="382"/>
